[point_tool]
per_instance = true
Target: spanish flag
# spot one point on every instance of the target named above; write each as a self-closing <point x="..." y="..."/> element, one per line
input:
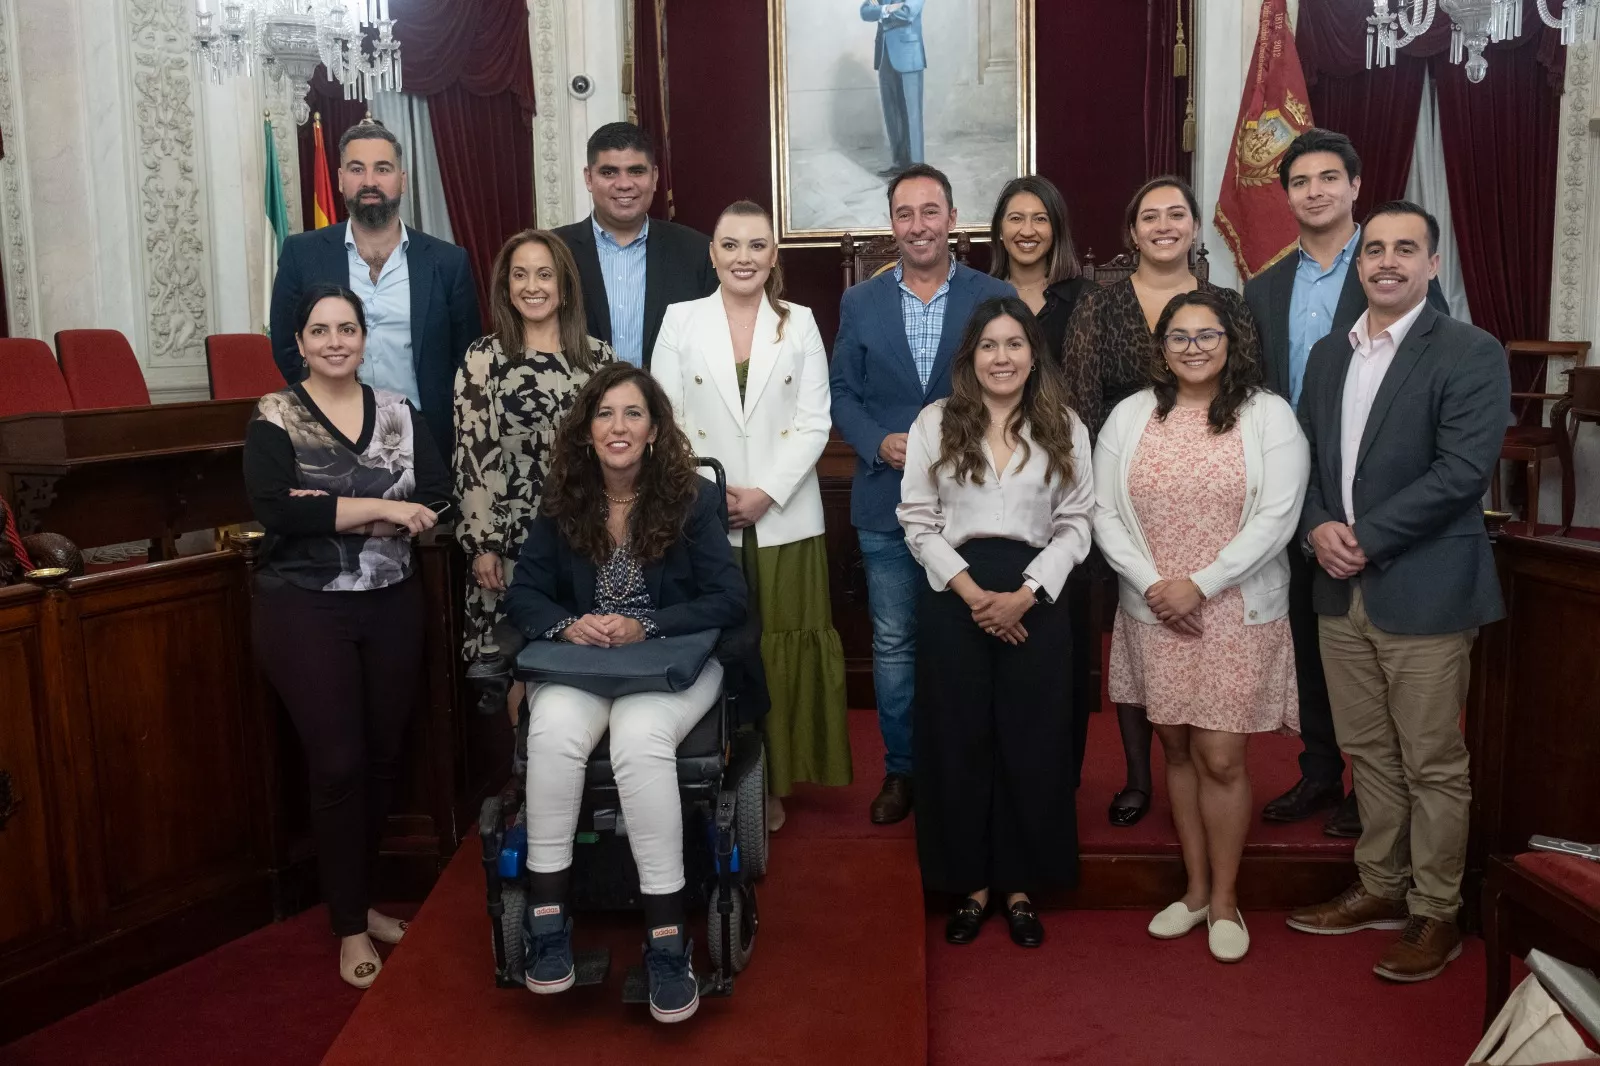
<point x="1253" y="215"/>
<point x="322" y="212"/>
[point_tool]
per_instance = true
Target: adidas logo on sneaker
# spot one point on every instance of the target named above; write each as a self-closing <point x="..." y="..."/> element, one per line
<point x="549" y="910"/>
<point x="662" y="931"/>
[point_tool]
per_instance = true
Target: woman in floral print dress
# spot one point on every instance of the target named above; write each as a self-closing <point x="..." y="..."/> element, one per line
<point x="512" y="390"/>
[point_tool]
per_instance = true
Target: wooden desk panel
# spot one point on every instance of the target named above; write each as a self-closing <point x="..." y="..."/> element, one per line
<point x="1533" y="711"/>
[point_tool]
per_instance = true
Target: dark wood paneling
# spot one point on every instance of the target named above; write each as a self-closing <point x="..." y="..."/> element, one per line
<point x="166" y="717"/>
<point x="34" y="904"/>
<point x="1533" y="712"/>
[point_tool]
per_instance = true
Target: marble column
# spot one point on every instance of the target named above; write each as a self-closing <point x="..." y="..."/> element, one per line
<point x="1574" y="303"/>
<point x="569" y="40"/>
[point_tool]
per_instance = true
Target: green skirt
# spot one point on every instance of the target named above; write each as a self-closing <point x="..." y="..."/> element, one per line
<point x="808" y="731"/>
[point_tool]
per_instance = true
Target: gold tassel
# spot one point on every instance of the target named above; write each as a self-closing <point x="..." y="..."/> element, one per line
<point x="1188" y="126"/>
<point x="1180" y="50"/>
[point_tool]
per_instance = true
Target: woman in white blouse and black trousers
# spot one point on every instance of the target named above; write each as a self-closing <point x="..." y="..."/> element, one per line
<point x="996" y="504"/>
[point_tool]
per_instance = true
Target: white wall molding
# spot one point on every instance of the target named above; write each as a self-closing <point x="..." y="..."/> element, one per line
<point x="16" y="230"/>
<point x="552" y="150"/>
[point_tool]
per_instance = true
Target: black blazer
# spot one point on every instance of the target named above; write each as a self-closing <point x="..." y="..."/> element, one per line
<point x="1060" y="300"/>
<point x="1431" y="442"/>
<point x="677" y="267"/>
<point x="695" y="586"/>
<point x="1268" y="295"/>
<point x="444" y="312"/>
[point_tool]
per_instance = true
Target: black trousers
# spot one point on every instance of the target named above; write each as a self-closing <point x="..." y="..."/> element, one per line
<point x="1084" y="697"/>
<point x="993" y="740"/>
<point x="1321" y="759"/>
<point x="348" y="667"/>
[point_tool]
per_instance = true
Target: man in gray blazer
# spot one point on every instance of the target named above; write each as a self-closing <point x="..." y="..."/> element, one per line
<point x="1405" y="416"/>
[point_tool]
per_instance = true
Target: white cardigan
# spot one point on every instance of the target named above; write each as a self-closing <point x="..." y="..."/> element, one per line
<point x="774" y="437"/>
<point x="1277" y="464"/>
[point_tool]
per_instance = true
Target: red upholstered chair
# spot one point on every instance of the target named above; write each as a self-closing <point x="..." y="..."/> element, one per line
<point x="30" y="380"/>
<point x="240" y="366"/>
<point x="101" y="369"/>
<point x="1538" y="899"/>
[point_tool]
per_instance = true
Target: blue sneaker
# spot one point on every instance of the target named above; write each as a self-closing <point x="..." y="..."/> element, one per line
<point x="674" y="992"/>
<point x="547" y="947"/>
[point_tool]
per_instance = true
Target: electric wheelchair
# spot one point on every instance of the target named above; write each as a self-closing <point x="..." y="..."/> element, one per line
<point x="722" y="786"/>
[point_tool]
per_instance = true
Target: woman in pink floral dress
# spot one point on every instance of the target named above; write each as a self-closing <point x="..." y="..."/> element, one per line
<point x="1199" y="481"/>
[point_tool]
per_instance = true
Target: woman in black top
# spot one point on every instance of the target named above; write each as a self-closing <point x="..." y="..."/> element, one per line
<point x="343" y="476"/>
<point x="1031" y="247"/>
<point x="629" y="545"/>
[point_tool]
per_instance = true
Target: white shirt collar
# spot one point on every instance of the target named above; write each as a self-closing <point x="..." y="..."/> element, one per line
<point x="1359" y="339"/>
<point x="350" y="235"/>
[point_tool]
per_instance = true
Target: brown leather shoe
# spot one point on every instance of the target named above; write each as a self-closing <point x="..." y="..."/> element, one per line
<point x="894" y="800"/>
<point x="1354" y="908"/>
<point x="1345" y="822"/>
<point x="1426" y="947"/>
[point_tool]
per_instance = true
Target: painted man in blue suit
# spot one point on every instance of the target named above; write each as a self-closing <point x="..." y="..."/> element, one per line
<point x="422" y="307"/>
<point x="898" y="58"/>
<point x="897" y="333"/>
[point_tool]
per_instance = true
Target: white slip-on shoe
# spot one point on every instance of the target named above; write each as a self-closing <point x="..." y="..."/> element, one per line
<point x="1176" y="921"/>
<point x="1229" y="940"/>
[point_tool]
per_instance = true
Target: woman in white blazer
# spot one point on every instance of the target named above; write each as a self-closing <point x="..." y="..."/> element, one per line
<point x="1198" y="482"/>
<point x="748" y="378"/>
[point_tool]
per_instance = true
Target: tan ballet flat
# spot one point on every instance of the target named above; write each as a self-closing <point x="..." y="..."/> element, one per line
<point x="387" y="935"/>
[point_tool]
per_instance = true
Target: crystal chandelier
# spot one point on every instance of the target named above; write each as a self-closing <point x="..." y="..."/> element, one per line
<point x="1475" y="24"/>
<point x="288" y="38"/>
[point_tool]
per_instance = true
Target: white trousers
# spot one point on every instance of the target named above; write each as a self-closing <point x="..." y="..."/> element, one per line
<point x="565" y="724"/>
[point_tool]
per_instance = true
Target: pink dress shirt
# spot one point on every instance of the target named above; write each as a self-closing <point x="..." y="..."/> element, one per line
<point x="1368" y="364"/>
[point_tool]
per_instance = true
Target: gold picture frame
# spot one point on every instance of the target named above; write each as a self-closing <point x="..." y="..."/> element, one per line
<point x="828" y="166"/>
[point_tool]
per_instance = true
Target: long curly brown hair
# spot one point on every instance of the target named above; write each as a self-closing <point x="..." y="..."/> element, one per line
<point x="1241" y="374"/>
<point x="1043" y="408"/>
<point x="574" y="490"/>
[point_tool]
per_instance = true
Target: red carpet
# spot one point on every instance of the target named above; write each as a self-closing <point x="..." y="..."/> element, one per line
<point x="1102" y="992"/>
<point x="837" y="976"/>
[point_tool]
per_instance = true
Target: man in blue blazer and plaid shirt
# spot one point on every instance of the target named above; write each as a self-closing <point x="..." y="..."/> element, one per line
<point x="897" y="333"/>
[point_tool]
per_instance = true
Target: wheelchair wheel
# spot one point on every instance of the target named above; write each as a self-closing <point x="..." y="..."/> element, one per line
<point x="744" y="922"/>
<point x="752" y="815"/>
<point x="515" y="901"/>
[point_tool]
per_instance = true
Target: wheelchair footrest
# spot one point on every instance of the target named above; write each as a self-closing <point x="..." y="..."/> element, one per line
<point x="636" y="986"/>
<point x="592" y="967"/>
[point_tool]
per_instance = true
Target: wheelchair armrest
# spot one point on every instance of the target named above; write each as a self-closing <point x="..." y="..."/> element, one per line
<point x="737" y="644"/>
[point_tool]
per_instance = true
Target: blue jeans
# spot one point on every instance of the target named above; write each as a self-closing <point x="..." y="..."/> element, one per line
<point x="894" y="585"/>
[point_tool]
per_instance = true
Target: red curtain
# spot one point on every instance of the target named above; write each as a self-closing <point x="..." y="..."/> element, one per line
<point x="1166" y="94"/>
<point x="1501" y="138"/>
<point x="650" y="94"/>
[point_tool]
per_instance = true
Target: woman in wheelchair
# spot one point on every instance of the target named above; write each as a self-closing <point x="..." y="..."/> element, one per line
<point x="629" y="545"/>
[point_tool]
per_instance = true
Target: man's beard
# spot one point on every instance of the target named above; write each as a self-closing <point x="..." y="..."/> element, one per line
<point x="372" y="214"/>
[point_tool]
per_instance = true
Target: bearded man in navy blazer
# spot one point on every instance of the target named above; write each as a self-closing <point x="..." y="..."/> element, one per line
<point x="422" y="308"/>
<point x="891" y="358"/>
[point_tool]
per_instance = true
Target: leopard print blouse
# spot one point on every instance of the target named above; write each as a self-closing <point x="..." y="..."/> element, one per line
<point x="1110" y="349"/>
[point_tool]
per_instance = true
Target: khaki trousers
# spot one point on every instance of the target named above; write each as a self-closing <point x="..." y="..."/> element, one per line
<point x="1396" y="711"/>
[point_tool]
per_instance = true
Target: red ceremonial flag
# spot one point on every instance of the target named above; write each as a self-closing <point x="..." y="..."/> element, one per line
<point x="1253" y="215"/>
<point x="322" y="212"/>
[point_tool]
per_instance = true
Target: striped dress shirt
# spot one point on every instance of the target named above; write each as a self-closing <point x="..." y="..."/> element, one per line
<point x="622" y="267"/>
<point x="924" y="322"/>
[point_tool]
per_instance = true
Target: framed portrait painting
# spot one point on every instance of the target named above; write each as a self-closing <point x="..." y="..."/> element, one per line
<point x="862" y="89"/>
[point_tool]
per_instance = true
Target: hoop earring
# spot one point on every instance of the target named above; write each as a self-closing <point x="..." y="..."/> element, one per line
<point x="649" y="449"/>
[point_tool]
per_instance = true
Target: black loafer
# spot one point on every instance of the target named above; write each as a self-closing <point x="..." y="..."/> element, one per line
<point x="966" y="921"/>
<point x="1027" y="931"/>
<point x="1306" y="798"/>
<point x="1126" y="814"/>
<point x="1345" y="823"/>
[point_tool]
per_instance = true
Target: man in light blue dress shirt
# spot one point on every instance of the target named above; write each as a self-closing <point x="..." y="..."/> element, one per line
<point x="630" y="265"/>
<point x="420" y="300"/>
<point x="1308" y="294"/>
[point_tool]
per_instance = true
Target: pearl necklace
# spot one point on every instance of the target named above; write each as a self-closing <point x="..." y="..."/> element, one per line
<point x="618" y="502"/>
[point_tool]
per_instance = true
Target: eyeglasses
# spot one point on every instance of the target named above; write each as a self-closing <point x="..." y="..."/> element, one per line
<point x="1206" y="340"/>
